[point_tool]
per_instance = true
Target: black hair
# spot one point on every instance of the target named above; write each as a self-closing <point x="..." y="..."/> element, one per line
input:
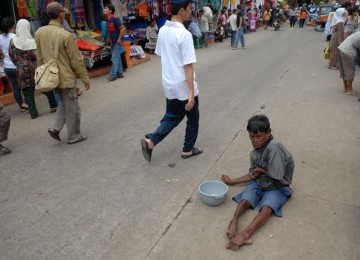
<point x="258" y="123"/>
<point x="7" y="24"/>
<point x="346" y="5"/>
<point x="353" y="10"/>
<point x="111" y="8"/>
<point x="175" y="8"/>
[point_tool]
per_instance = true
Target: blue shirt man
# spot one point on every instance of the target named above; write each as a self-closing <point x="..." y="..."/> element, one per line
<point x="116" y="31"/>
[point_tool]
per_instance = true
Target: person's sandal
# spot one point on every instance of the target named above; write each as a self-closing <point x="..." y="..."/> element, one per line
<point x="4" y="150"/>
<point x="55" y="134"/>
<point x="24" y="107"/>
<point x="195" y="151"/>
<point x="80" y="139"/>
<point x="146" y="151"/>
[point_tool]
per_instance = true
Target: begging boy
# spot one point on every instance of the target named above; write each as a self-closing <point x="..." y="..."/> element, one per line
<point x="270" y="174"/>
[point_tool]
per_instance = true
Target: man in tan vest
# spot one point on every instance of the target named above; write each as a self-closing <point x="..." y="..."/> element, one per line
<point x="70" y="63"/>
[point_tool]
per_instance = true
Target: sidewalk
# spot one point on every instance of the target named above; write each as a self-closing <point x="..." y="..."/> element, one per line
<point x="320" y="126"/>
<point x="100" y="199"/>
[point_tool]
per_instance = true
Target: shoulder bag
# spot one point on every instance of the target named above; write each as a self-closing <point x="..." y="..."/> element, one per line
<point x="47" y="75"/>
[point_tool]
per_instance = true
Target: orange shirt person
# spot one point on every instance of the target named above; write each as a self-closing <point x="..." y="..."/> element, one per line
<point x="303" y="15"/>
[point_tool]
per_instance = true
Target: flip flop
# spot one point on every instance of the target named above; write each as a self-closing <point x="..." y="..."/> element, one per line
<point x="4" y="150"/>
<point x="146" y="151"/>
<point x="195" y="151"/>
<point x="80" y="139"/>
<point x="55" y="134"/>
<point x="351" y="93"/>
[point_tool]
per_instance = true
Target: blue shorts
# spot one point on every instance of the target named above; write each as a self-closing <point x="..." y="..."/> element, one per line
<point x="257" y="197"/>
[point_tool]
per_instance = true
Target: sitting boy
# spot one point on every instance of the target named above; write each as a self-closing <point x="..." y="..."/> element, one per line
<point x="270" y="175"/>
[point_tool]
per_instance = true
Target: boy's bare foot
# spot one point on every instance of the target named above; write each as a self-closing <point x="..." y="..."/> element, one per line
<point x="239" y="240"/>
<point x="232" y="229"/>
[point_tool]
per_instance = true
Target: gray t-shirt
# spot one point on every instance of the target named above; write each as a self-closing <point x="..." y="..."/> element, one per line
<point x="351" y="45"/>
<point x="276" y="159"/>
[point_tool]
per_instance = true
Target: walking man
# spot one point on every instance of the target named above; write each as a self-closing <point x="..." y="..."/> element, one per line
<point x="176" y="48"/>
<point x="116" y="30"/>
<point x="232" y="21"/>
<point x="240" y="23"/>
<point x="70" y="63"/>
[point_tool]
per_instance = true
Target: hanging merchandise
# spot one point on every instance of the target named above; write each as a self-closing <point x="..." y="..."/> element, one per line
<point x="90" y="19"/>
<point x="123" y="9"/>
<point x="116" y="4"/>
<point x="233" y="3"/>
<point x="216" y="4"/>
<point x="131" y="6"/>
<point x="143" y="11"/>
<point x="21" y="7"/>
<point x="31" y="8"/>
<point x="80" y="13"/>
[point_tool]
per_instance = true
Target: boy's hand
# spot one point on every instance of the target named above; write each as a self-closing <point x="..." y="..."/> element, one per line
<point x="226" y="179"/>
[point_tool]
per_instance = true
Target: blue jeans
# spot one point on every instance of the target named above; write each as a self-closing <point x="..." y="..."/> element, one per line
<point x="175" y="113"/>
<point x="116" y="67"/>
<point x="11" y="74"/>
<point x="233" y="36"/>
<point x="239" y="36"/>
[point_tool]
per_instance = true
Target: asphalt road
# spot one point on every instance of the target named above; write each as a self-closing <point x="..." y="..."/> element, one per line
<point x="100" y="199"/>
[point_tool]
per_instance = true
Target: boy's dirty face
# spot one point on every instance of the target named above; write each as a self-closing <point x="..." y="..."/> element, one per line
<point x="258" y="140"/>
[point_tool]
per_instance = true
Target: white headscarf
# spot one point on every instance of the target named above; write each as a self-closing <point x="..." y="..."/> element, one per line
<point x="340" y="16"/>
<point x="23" y="39"/>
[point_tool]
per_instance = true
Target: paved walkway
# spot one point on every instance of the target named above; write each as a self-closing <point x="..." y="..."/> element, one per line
<point x="101" y="200"/>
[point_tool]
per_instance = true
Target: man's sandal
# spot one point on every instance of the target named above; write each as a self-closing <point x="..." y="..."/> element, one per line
<point x="195" y="151"/>
<point x="146" y="151"/>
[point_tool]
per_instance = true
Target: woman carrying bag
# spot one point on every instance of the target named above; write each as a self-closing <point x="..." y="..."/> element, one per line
<point x="22" y="51"/>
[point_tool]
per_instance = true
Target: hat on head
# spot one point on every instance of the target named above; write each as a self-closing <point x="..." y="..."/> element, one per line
<point x="56" y="8"/>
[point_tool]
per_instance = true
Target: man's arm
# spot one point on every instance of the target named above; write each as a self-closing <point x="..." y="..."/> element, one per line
<point x="229" y="181"/>
<point x="240" y="22"/>
<point x="39" y="59"/>
<point x="76" y="61"/>
<point x="189" y="75"/>
<point x="122" y="33"/>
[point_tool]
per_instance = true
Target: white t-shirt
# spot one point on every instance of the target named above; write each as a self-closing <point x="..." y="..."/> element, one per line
<point x="4" y="45"/>
<point x="232" y="20"/>
<point x="175" y="46"/>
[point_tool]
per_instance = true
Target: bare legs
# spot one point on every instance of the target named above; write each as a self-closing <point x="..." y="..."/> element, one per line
<point x="348" y="88"/>
<point x="244" y="237"/>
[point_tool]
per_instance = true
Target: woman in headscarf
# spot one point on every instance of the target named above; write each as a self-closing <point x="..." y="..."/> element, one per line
<point x="329" y="24"/>
<point x="22" y="51"/>
<point x="337" y="37"/>
<point x="8" y="29"/>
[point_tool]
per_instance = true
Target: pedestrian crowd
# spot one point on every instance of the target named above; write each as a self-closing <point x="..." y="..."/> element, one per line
<point x="343" y="30"/>
<point x="271" y="164"/>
